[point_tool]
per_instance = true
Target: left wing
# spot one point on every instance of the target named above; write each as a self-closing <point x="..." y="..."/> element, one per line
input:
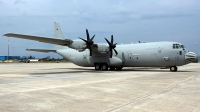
<point x="41" y="50"/>
<point x="63" y="42"/>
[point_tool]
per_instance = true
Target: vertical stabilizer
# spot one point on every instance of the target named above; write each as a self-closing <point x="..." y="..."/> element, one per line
<point x="57" y="31"/>
<point x="58" y="35"/>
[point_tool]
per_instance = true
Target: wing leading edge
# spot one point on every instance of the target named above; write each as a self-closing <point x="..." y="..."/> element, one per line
<point x="41" y="50"/>
<point x="63" y="42"/>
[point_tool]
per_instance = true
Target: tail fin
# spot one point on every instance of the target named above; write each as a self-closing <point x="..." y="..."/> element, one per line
<point x="58" y="35"/>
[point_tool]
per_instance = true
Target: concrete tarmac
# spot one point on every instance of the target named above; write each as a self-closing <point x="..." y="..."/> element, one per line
<point x="65" y="87"/>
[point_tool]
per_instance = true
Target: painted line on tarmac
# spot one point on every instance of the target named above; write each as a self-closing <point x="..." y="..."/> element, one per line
<point x="63" y="86"/>
<point x="152" y="94"/>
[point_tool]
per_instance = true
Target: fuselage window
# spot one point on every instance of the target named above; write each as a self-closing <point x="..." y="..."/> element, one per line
<point x="180" y="52"/>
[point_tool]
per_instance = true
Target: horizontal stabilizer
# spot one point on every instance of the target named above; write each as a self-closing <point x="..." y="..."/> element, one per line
<point x="63" y="42"/>
<point x="41" y="50"/>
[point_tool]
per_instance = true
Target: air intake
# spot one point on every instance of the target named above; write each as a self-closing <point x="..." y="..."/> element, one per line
<point x="190" y="57"/>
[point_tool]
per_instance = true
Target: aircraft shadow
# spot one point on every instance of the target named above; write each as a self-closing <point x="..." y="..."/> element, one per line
<point x="91" y="70"/>
<point x="149" y="69"/>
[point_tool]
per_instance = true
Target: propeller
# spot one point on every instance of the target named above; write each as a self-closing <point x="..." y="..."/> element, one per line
<point x="89" y="41"/>
<point x="111" y="46"/>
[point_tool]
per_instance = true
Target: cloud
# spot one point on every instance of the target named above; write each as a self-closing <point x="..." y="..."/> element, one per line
<point x="129" y="21"/>
<point x="164" y="16"/>
<point x="19" y="2"/>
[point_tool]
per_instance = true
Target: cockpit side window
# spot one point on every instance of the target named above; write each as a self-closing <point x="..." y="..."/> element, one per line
<point x="182" y="46"/>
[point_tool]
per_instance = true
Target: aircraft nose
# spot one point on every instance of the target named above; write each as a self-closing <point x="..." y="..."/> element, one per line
<point x="191" y="57"/>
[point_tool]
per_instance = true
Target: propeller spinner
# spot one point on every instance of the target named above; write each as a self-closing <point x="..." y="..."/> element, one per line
<point x="89" y="41"/>
<point x="111" y="46"/>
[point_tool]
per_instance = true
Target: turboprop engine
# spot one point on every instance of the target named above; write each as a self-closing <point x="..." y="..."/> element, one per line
<point x="78" y="45"/>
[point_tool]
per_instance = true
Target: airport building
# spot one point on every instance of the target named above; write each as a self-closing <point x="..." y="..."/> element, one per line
<point x="15" y="57"/>
<point x="10" y="57"/>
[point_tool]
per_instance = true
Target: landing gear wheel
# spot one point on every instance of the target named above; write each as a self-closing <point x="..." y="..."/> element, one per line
<point x="173" y="68"/>
<point x="112" y="68"/>
<point x="104" y="67"/>
<point x="97" y="67"/>
<point x="119" y="68"/>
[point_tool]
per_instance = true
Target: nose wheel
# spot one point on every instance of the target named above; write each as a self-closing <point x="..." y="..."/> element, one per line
<point x="97" y="66"/>
<point x="104" y="67"/>
<point x="173" y="69"/>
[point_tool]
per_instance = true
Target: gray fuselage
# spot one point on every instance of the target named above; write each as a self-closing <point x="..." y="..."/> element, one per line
<point x="154" y="54"/>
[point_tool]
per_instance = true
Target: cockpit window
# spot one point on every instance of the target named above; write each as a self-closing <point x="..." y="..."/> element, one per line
<point x="177" y="46"/>
<point x="182" y="46"/>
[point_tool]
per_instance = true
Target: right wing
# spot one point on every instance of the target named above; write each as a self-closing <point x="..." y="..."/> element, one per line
<point x="63" y="42"/>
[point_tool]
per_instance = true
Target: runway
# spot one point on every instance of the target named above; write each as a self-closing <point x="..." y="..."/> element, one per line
<point x="65" y="87"/>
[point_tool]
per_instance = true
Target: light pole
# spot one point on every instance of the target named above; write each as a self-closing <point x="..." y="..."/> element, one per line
<point x="8" y="50"/>
<point x="13" y="51"/>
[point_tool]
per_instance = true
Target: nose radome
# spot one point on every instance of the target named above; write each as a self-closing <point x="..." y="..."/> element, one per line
<point x="191" y="57"/>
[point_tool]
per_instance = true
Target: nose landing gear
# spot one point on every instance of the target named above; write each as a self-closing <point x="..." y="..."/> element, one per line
<point x="97" y="66"/>
<point x="173" y="68"/>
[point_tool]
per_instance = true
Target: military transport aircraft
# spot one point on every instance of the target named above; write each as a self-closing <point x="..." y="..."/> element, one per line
<point x="86" y="53"/>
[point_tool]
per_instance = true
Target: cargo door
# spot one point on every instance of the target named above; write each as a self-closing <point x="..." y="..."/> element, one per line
<point x="130" y="58"/>
<point x="135" y="59"/>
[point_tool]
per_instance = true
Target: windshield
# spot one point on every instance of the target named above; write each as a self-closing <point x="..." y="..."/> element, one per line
<point x="177" y="46"/>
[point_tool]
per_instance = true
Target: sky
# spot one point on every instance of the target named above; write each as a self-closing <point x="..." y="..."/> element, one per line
<point x="128" y="20"/>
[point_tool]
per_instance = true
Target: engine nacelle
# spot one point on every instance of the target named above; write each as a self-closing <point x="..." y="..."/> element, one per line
<point x="78" y="45"/>
<point x="102" y="49"/>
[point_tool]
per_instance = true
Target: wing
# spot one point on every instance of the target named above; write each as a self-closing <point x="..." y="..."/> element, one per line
<point x="63" y="42"/>
<point x="41" y="50"/>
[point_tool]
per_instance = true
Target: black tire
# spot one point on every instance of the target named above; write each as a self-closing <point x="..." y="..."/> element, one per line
<point x="97" y="67"/>
<point x="104" y="67"/>
<point x="112" y="68"/>
<point x="173" y="69"/>
<point x="119" y="68"/>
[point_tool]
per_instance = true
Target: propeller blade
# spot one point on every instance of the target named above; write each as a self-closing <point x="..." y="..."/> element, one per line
<point x="83" y="39"/>
<point x="92" y="37"/>
<point x="111" y="53"/>
<point x="88" y="42"/>
<point x="108" y="42"/>
<point x="90" y="51"/>
<point x="87" y="34"/>
<point x="111" y="46"/>
<point x="116" y="52"/>
<point x="111" y="39"/>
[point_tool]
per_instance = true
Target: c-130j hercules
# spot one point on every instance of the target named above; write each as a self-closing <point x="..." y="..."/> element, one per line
<point x="86" y="53"/>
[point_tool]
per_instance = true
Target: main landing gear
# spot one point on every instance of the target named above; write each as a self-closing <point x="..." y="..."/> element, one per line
<point x="104" y="67"/>
<point x="173" y="68"/>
